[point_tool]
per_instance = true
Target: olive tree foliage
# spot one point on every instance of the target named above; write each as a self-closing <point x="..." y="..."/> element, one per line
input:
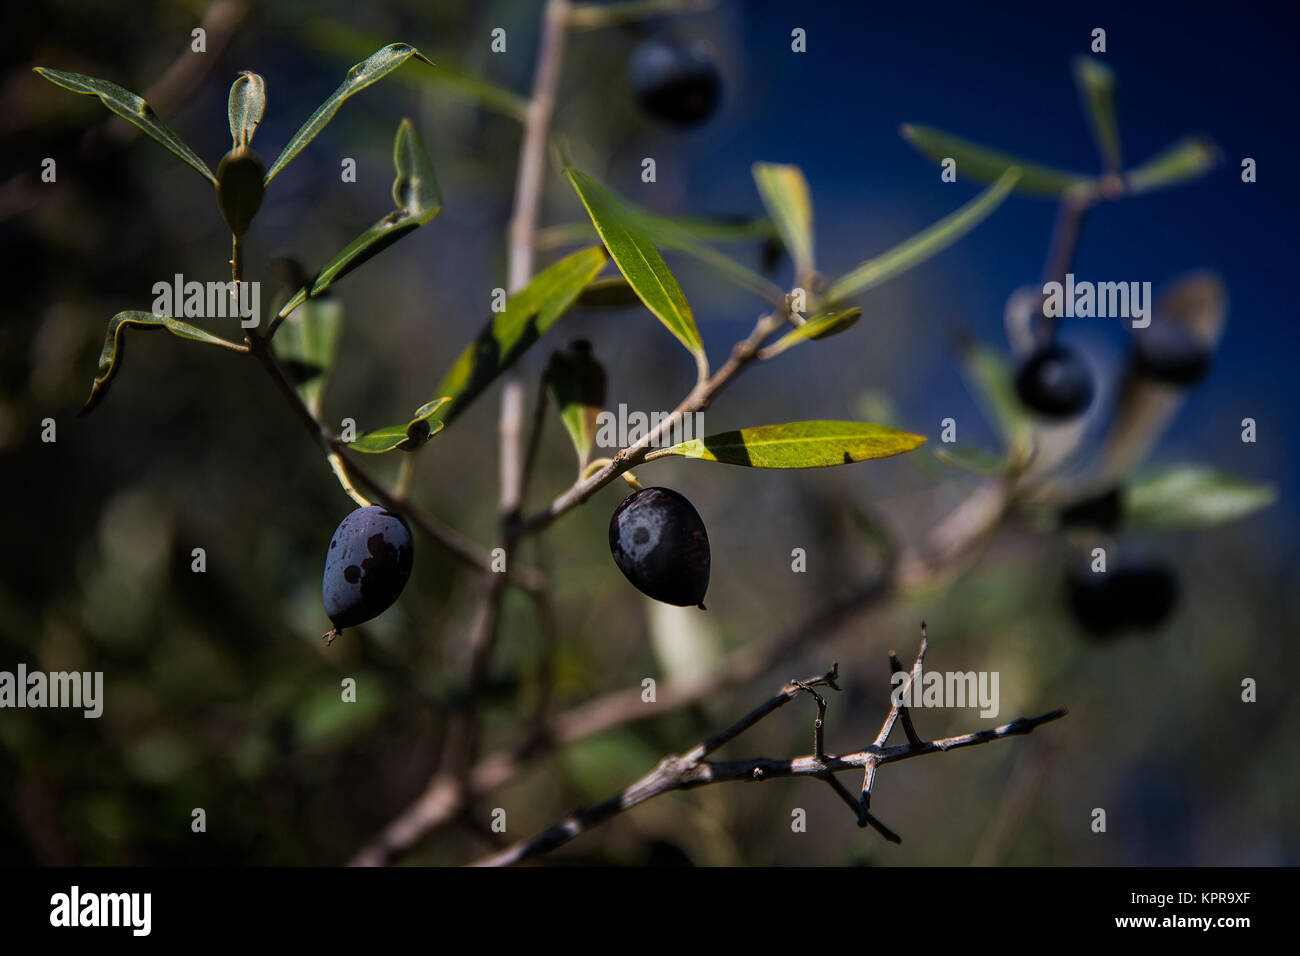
<point x="615" y="256"/>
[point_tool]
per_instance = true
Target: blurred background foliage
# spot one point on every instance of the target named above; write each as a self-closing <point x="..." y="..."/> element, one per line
<point x="219" y="693"/>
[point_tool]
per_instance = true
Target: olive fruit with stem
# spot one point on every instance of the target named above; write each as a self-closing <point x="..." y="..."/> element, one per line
<point x="367" y="566"/>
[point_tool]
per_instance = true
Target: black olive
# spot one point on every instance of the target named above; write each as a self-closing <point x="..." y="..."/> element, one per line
<point x="675" y="80"/>
<point x="366" y="567"/>
<point x="1168" y="352"/>
<point x="1055" y="383"/>
<point x="659" y="543"/>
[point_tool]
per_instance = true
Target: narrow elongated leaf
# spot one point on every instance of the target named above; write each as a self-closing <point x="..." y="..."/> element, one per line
<point x="346" y="42"/>
<point x="131" y="108"/>
<point x="820" y="326"/>
<point x="408" y="436"/>
<point x="1186" y="159"/>
<point x="817" y="444"/>
<point x="110" y="359"/>
<point x="528" y="314"/>
<point x="687" y="235"/>
<point x="415" y="191"/>
<point x="1096" y="83"/>
<point x="306" y="344"/>
<point x="638" y="260"/>
<point x="785" y="194"/>
<point x="375" y="67"/>
<point x="1192" y="496"/>
<point x="985" y="165"/>
<point x="972" y="458"/>
<point x="722" y="229"/>
<point x="990" y="379"/>
<point x="247" y="103"/>
<point x="929" y="242"/>
<point x="577" y="386"/>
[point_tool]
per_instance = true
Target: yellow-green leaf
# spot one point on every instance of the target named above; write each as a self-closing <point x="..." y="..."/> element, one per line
<point x="638" y="260"/>
<point x="528" y="314"/>
<point x="375" y="67"/>
<point x="110" y="359"/>
<point x="820" y="326"/>
<point x="306" y="343"/>
<point x="407" y="437"/>
<point x="131" y="108"/>
<point x="785" y="194"/>
<point x="817" y="444"/>
<point x="1186" y="159"/>
<point x="929" y="242"/>
<point x="985" y="165"/>
<point x="1096" y="83"/>
<point x="1192" y="496"/>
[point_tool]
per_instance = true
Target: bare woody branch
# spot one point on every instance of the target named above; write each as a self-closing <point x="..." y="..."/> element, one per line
<point x="691" y="769"/>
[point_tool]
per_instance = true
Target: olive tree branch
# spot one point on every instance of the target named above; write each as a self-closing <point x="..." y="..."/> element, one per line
<point x="690" y="769"/>
<point x="744" y="352"/>
<point x="351" y="474"/>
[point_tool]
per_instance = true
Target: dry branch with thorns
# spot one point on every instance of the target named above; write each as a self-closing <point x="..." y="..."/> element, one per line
<point x="690" y="769"/>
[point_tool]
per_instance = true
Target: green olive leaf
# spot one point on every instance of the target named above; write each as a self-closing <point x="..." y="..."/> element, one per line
<point x="817" y="444"/>
<point x="527" y="315"/>
<point x="418" y="200"/>
<point x="131" y="108"/>
<point x="973" y="458"/>
<point x="375" y="67"/>
<point x="990" y="379"/>
<point x="1096" y="83"/>
<point x="786" y="196"/>
<point x="820" y="326"/>
<point x="307" y="342"/>
<point x="1186" y="159"/>
<point x="110" y="359"/>
<point x="926" y="243"/>
<point x="576" y="382"/>
<point x="986" y="165"/>
<point x="246" y="105"/>
<point x="1192" y="496"/>
<point x="638" y="259"/>
<point x="407" y="437"/>
<point x="345" y="41"/>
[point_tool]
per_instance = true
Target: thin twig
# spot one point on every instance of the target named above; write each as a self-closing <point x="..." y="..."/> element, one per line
<point x="690" y="770"/>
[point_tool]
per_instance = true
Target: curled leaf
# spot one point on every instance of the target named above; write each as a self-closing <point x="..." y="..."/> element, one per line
<point x="246" y="105"/>
<point x="110" y="359"/>
<point x="407" y="437"/>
